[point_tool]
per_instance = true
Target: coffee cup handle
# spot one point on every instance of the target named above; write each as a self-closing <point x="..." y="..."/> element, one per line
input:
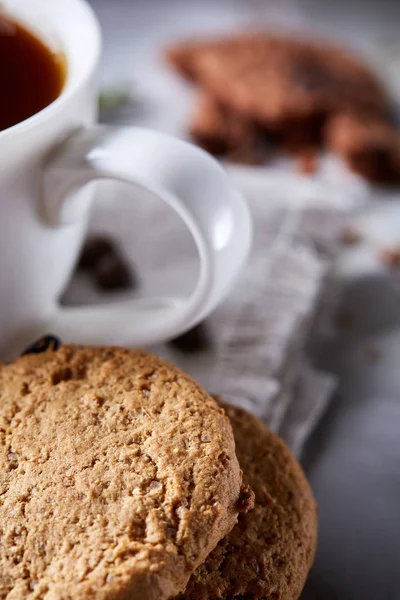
<point x="187" y="179"/>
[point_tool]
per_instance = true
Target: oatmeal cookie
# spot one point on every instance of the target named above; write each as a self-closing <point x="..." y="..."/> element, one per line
<point x="118" y="476"/>
<point x="270" y="551"/>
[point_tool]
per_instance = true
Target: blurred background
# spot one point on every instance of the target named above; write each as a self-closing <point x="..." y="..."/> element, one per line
<point x="353" y="459"/>
<point x="135" y="32"/>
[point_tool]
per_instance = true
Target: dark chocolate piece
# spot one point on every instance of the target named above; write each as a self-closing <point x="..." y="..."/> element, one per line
<point x="95" y="248"/>
<point x="47" y="342"/>
<point x="112" y="273"/>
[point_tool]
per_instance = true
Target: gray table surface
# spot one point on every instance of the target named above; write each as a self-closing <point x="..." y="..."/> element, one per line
<point x="353" y="460"/>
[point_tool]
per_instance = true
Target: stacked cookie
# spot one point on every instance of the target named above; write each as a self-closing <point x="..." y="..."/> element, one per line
<point x="299" y="94"/>
<point x="120" y="479"/>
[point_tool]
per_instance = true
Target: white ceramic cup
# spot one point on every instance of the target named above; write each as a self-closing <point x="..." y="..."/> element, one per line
<point x="46" y="162"/>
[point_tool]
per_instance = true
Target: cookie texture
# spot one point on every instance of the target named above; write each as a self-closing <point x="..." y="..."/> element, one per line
<point x="369" y="146"/>
<point x="277" y="80"/>
<point x="298" y="95"/>
<point x="221" y="132"/>
<point x="118" y="476"/>
<point x="268" y="554"/>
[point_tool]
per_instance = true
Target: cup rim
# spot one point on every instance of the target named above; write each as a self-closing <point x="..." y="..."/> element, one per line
<point x="69" y="90"/>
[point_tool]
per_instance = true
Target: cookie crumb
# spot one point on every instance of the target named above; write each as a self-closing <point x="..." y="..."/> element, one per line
<point x="12" y="458"/>
<point x="372" y="355"/>
<point x="350" y="236"/>
<point x="307" y="162"/>
<point x="391" y="257"/>
<point x="247" y="154"/>
<point x="180" y="511"/>
<point x="246" y="499"/>
<point x="156" y="485"/>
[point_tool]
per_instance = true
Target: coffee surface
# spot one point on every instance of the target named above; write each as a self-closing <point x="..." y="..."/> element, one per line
<point x="31" y="74"/>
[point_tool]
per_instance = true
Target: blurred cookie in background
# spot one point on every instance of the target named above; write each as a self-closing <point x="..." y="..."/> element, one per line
<point x="370" y="146"/>
<point x="261" y="89"/>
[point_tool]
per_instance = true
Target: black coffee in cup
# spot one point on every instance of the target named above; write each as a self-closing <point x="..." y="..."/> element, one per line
<point x="31" y="74"/>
